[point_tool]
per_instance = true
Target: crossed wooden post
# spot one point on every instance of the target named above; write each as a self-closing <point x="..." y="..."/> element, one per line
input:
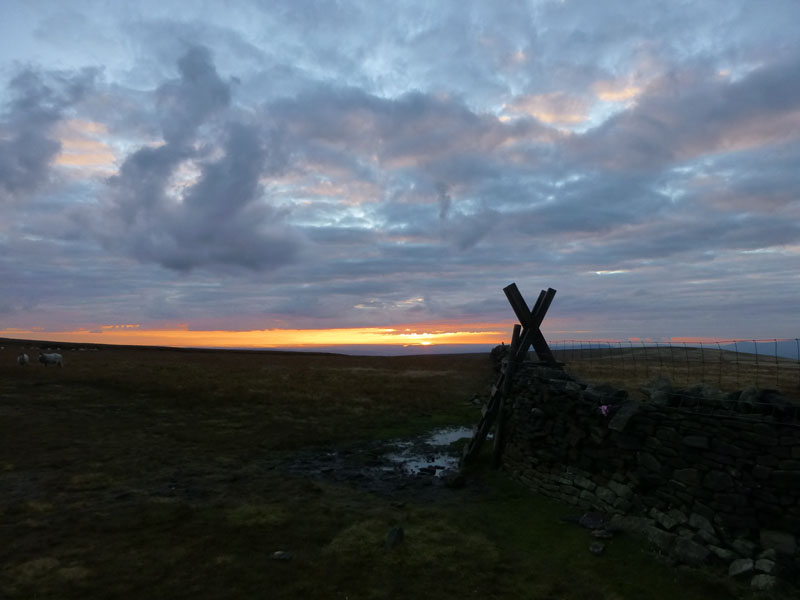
<point x="531" y="321"/>
<point x="525" y="334"/>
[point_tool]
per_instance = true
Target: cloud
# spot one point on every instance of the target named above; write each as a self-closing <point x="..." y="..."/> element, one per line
<point x="197" y="200"/>
<point x="692" y="112"/>
<point x="445" y="201"/>
<point x="184" y="104"/>
<point x="553" y="108"/>
<point x="28" y="140"/>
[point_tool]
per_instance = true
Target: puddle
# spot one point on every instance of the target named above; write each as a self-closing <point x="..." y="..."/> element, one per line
<point x="428" y="456"/>
<point x="434" y="464"/>
<point x="445" y="437"/>
<point x="387" y="466"/>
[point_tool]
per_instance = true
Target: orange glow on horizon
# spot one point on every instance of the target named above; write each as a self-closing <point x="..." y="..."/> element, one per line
<point x="266" y="338"/>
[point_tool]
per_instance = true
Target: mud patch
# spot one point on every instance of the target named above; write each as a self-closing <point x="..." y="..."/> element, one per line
<point x="420" y="466"/>
<point x="433" y="454"/>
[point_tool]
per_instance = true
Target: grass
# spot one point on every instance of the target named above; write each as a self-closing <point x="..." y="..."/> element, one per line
<point x="630" y="368"/>
<point x="137" y="473"/>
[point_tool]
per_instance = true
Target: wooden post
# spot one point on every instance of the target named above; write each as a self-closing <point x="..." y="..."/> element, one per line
<point x="502" y="417"/>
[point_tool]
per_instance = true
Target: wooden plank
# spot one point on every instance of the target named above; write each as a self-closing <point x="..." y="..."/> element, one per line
<point x="517" y="302"/>
<point x="488" y="414"/>
<point x="525" y="316"/>
<point x="537" y="316"/>
<point x="538" y="306"/>
<point x="525" y="342"/>
<point x="541" y="348"/>
<point x="539" y="343"/>
<point x="500" y="431"/>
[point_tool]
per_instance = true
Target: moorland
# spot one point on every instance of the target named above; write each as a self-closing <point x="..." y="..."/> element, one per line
<point x="159" y="473"/>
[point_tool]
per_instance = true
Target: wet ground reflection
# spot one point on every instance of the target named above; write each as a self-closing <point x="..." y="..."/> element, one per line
<point x="424" y="462"/>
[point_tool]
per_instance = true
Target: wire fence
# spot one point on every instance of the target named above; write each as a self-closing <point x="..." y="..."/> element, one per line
<point x="728" y="365"/>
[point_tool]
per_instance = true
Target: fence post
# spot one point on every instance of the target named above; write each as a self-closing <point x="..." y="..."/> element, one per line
<point x="755" y="348"/>
<point x="688" y="374"/>
<point x="777" y="368"/>
<point x="589" y="354"/>
<point x="702" y="364"/>
<point x="644" y="353"/>
<point x="660" y="361"/>
<point x="672" y="358"/>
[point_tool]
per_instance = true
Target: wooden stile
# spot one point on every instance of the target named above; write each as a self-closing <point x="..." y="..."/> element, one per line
<point x="525" y="334"/>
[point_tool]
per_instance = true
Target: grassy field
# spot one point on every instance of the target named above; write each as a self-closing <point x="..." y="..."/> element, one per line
<point x="631" y="368"/>
<point x="155" y="473"/>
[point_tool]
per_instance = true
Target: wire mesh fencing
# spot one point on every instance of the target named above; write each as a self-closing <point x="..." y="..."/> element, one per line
<point x="728" y="365"/>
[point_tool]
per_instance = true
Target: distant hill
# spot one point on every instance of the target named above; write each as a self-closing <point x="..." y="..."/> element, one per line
<point x="782" y="348"/>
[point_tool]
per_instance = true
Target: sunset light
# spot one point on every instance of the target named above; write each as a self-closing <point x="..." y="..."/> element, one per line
<point x="269" y="338"/>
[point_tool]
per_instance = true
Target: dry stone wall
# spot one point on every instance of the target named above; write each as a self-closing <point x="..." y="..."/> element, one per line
<point x="704" y="476"/>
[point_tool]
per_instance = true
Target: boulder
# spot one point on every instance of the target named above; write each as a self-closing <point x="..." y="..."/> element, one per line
<point x="623" y="415"/>
<point x="763" y="582"/>
<point x="597" y="548"/>
<point x="455" y="480"/>
<point x="659" y="390"/>
<point x="604" y="393"/>
<point x="667" y="521"/>
<point x="723" y="554"/>
<point x="718" y="481"/>
<point x="394" y="537"/>
<point x="764" y="565"/>
<point x="700" y="523"/>
<point x="782" y="541"/>
<point x="744" y="547"/>
<point x="689" y="476"/>
<point x="690" y="552"/>
<point x="741" y="566"/>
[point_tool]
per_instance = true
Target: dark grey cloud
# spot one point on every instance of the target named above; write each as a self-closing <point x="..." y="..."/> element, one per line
<point x="414" y="148"/>
<point x="37" y="101"/>
<point x="760" y="179"/>
<point x="413" y="128"/>
<point x="219" y="217"/>
<point x="694" y="112"/>
<point x="184" y="104"/>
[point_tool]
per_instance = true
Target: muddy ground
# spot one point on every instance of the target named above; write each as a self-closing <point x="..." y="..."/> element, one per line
<point x="422" y="467"/>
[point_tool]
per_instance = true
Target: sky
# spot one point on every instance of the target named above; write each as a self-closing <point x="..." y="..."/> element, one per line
<point x="317" y="173"/>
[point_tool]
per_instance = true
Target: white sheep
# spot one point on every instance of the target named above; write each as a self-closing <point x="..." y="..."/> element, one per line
<point x="23" y="359"/>
<point x="51" y="359"/>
